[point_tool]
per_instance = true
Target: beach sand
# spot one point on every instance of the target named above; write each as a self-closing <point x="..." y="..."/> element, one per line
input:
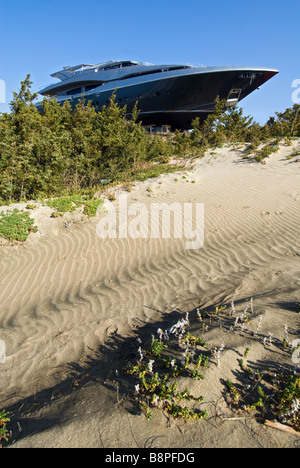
<point x="73" y="306"/>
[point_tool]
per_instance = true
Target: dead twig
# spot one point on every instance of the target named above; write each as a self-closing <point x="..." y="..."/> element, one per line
<point x="282" y="427"/>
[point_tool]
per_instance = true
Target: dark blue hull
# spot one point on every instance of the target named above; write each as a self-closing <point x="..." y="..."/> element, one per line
<point x="177" y="100"/>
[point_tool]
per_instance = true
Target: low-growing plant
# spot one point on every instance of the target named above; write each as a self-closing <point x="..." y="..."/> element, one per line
<point x="153" y="171"/>
<point x="288" y="399"/>
<point x="4" y="420"/>
<point x="31" y="206"/>
<point x="66" y="204"/>
<point x="234" y="396"/>
<point x="156" y="370"/>
<point x="91" y="206"/>
<point x="275" y="396"/>
<point x="71" y="203"/>
<point x="16" y="225"/>
<point x="266" y="151"/>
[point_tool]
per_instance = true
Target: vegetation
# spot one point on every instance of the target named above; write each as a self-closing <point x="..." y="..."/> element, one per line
<point x="91" y="207"/>
<point x="156" y="371"/>
<point x="64" y="156"/>
<point x="271" y="395"/>
<point x="158" y="376"/>
<point x="176" y="357"/>
<point x="16" y="225"/>
<point x="232" y="126"/>
<point x="59" y="152"/>
<point x="69" y="204"/>
<point x="62" y="152"/>
<point x="266" y="150"/>
<point x="4" y="420"/>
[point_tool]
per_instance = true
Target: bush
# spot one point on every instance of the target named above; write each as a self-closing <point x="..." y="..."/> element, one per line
<point x="59" y="150"/>
<point x="65" y="204"/>
<point x="16" y="226"/>
<point x="71" y="203"/>
<point x="4" y="419"/>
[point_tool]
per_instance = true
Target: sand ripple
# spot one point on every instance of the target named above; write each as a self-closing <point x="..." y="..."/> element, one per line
<point x="65" y="293"/>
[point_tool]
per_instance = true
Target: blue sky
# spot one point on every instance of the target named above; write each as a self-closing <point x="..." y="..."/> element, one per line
<point x="40" y="37"/>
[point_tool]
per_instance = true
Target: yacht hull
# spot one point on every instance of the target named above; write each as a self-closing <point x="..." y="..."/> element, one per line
<point x="174" y="98"/>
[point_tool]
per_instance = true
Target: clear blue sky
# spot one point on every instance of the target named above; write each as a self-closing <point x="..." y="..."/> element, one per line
<point x="40" y="37"/>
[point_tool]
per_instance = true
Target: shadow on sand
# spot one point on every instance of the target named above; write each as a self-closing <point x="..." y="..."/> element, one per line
<point x="103" y="380"/>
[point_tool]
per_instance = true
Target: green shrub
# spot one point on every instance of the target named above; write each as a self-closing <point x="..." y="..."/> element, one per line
<point x="4" y="419"/>
<point x="69" y="204"/>
<point x="16" y="226"/>
<point x="66" y="204"/>
<point x="91" y="207"/>
<point x="59" y="150"/>
<point x="266" y="151"/>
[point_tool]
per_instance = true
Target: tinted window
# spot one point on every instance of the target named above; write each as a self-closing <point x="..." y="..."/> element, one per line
<point x="73" y="91"/>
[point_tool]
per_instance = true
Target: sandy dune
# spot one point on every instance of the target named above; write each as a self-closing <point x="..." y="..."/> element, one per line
<point x="72" y="306"/>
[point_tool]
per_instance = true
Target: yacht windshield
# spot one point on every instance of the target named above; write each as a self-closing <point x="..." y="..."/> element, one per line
<point x="115" y="65"/>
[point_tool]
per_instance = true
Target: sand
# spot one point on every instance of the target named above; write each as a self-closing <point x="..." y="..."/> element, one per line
<point x="73" y="305"/>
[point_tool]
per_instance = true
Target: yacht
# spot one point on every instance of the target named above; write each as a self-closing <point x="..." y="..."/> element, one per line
<point x="170" y="95"/>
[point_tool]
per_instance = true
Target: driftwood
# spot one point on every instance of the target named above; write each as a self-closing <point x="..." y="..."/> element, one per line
<point x="282" y="427"/>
